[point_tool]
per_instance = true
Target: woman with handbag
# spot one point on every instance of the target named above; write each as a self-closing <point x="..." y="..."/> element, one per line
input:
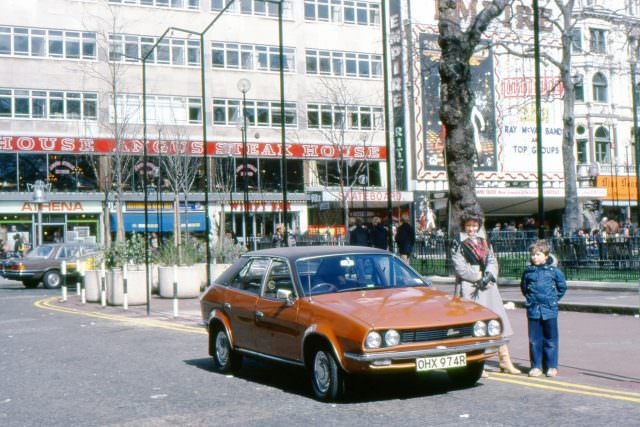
<point x="476" y="270"/>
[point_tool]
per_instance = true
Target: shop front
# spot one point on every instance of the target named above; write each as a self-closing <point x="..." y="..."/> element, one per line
<point x="60" y="221"/>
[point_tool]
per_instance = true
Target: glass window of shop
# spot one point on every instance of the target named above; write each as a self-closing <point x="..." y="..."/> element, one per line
<point x="332" y="172"/>
<point x="12" y="225"/>
<point x="65" y="173"/>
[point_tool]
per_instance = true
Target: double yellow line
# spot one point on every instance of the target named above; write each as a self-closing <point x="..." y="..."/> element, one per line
<point x="48" y="304"/>
<point x="566" y="387"/>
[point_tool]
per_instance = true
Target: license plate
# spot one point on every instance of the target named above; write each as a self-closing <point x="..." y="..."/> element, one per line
<point x="441" y="362"/>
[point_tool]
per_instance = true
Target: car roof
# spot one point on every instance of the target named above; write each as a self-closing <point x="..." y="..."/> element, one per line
<point x="296" y="252"/>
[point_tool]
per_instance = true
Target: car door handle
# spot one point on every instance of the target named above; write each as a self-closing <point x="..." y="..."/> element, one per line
<point x="259" y="315"/>
<point x="227" y="306"/>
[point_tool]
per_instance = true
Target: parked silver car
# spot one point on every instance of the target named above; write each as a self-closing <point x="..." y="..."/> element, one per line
<point x="44" y="263"/>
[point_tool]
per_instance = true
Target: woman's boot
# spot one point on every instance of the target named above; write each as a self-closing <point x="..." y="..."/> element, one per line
<point x="505" y="361"/>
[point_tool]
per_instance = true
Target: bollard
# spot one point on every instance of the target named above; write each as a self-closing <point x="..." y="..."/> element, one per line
<point x="175" y="291"/>
<point x="103" y="286"/>
<point x="83" y="293"/>
<point x="125" y="285"/>
<point x="63" y="272"/>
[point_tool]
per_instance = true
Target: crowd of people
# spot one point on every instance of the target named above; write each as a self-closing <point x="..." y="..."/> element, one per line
<point x="377" y="235"/>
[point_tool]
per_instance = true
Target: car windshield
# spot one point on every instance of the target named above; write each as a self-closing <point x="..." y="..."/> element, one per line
<point x="353" y="272"/>
<point x="42" y="251"/>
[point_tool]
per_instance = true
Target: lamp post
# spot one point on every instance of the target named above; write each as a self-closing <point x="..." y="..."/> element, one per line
<point x="362" y="180"/>
<point x="387" y="120"/>
<point x="536" y="49"/>
<point x="40" y="190"/>
<point x="244" y="85"/>
<point x="635" y="91"/>
<point x="145" y="179"/>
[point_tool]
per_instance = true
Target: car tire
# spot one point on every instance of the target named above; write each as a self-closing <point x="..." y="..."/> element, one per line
<point x="225" y="358"/>
<point x="52" y="279"/>
<point x="467" y="376"/>
<point x="30" y="284"/>
<point x="327" y="378"/>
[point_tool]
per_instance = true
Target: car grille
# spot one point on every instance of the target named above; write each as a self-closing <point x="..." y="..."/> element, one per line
<point x="421" y="335"/>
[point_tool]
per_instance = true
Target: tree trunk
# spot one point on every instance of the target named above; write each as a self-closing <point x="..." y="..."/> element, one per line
<point x="456" y="99"/>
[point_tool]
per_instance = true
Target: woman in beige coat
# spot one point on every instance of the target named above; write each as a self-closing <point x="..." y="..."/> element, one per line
<point x="476" y="270"/>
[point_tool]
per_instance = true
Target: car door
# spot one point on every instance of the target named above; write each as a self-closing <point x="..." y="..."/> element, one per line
<point x="241" y="298"/>
<point x="277" y="331"/>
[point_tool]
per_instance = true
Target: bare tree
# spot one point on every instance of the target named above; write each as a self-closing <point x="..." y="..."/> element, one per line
<point x="181" y="170"/>
<point x="116" y="170"/>
<point x="458" y="45"/>
<point x="336" y="127"/>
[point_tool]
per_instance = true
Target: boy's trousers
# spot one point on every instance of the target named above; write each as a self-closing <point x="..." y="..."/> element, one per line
<point x="543" y="343"/>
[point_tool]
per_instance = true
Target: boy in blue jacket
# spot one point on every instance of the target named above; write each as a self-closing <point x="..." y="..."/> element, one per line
<point x="542" y="285"/>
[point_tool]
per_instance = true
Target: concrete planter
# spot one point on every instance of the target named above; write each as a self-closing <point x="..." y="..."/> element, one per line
<point x="190" y="279"/>
<point x="136" y="286"/>
<point x="91" y="281"/>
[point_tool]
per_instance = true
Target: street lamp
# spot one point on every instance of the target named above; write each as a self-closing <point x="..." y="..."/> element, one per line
<point x="538" y="89"/>
<point x="362" y="180"/>
<point x="39" y="190"/>
<point x="244" y="85"/>
<point x="635" y="91"/>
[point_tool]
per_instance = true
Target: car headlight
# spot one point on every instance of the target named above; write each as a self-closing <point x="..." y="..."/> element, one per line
<point x="391" y="338"/>
<point x="494" y="328"/>
<point x="374" y="340"/>
<point x="479" y="329"/>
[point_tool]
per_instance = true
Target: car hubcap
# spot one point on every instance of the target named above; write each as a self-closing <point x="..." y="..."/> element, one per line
<point x="222" y="348"/>
<point x="321" y="372"/>
<point x="54" y="280"/>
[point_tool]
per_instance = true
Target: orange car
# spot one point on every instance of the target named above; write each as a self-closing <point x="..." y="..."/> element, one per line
<point x="343" y="310"/>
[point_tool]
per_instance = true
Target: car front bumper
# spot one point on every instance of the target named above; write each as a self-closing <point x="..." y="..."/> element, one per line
<point x="406" y="359"/>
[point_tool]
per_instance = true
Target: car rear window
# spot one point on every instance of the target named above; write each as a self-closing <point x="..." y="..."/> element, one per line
<point x="42" y="251"/>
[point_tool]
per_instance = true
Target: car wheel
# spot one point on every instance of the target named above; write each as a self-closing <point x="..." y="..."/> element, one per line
<point x="327" y="378"/>
<point x="52" y="279"/>
<point x="467" y="376"/>
<point x="225" y="359"/>
<point x="30" y="284"/>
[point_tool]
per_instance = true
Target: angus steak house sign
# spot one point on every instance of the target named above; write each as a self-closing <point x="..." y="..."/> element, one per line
<point x="73" y="145"/>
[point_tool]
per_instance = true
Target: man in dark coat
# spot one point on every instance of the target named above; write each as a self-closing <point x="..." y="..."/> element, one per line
<point x="405" y="238"/>
<point x="378" y="234"/>
<point x="359" y="235"/>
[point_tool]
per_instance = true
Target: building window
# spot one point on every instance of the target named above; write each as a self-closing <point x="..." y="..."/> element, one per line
<point x="173" y="4"/>
<point x="343" y="11"/>
<point x="581" y="150"/>
<point x="161" y="110"/>
<point x="228" y="112"/>
<point x="598" y="43"/>
<point x="579" y="91"/>
<point x="335" y="63"/>
<point x="253" y="7"/>
<point x="42" y="43"/>
<point x="251" y="57"/>
<point x="350" y="117"/>
<point x="603" y="145"/>
<point x="48" y="105"/>
<point x="170" y="51"/>
<point x="576" y="40"/>
<point x="599" y="88"/>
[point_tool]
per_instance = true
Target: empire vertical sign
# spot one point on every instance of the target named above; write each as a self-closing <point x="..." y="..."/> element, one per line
<point x="397" y="93"/>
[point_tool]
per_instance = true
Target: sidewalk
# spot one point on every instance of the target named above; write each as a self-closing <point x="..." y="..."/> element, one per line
<point x="592" y="297"/>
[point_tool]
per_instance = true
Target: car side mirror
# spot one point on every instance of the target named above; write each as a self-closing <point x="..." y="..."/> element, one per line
<point x="284" y="294"/>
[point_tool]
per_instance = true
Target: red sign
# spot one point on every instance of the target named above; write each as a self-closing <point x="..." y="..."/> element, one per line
<point x="53" y="207"/>
<point x="75" y="145"/>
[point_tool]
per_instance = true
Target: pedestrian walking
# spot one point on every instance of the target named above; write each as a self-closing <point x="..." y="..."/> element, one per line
<point x="379" y="235"/>
<point x="405" y="238"/>
<point x="359" y="236"/>
<point x="278" y="236"/>
<point x="476" y="270"/>
<point x="543" y="285"/>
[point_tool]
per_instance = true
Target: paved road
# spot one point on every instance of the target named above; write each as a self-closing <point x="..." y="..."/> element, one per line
<point x="61" y="365"/>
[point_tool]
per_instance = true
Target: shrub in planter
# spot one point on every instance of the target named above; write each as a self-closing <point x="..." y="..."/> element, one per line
<point x="189" y="275"/>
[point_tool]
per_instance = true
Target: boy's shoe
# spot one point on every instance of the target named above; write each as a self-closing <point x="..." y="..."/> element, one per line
<point x="535" y="372"/>
<point x="552" y="372"/>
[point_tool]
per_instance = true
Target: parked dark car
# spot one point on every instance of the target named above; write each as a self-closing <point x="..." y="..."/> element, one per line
<point x="44" y="263"/>
<point x="346" y="310"/>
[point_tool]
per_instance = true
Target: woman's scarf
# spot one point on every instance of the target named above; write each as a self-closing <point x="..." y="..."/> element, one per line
<point x="476" y="251"/>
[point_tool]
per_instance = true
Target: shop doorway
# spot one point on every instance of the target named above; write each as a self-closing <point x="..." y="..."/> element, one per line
<point x="53" y="233"/>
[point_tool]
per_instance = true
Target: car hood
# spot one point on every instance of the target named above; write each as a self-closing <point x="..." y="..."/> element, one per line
<point x="403" y="308"/>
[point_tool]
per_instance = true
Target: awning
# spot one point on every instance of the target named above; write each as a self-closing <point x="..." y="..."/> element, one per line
<point x="163" y="222"/>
